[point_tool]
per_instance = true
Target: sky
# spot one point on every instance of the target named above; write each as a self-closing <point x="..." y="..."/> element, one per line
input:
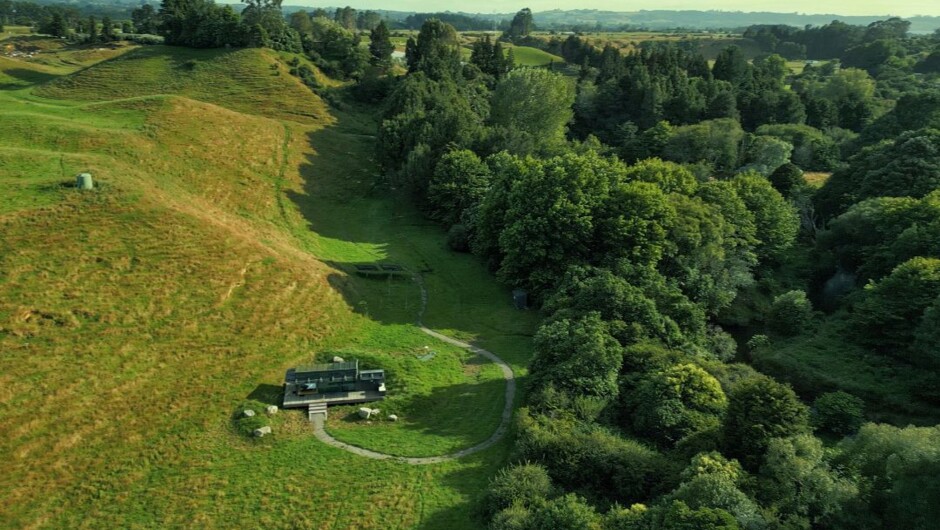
<point x="843" y="7"/>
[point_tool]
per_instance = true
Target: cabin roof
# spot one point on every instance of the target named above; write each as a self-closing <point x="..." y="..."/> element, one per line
<point x="327" y="367"/>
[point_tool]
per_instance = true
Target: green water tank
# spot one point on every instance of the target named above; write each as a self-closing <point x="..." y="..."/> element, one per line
<point x="84" y="182"/>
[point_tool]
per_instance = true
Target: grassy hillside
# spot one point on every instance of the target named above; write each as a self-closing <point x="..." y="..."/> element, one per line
<point x="249" y="81"/>
<point x="137" y="318"/>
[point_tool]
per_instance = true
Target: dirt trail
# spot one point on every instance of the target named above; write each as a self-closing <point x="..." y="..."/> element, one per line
<point x="322" y="435"/>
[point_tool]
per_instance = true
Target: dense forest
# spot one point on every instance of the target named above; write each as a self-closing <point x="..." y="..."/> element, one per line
<point x="715" y="247"/>
<point x="654" y="206"/>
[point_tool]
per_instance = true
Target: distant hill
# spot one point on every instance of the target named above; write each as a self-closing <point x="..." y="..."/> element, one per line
<point x="663" y="19"/>
<point x="589" y="19"/>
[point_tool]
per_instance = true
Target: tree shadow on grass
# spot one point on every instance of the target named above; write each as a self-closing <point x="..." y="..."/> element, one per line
<point x="471" y="482"/>
<point x="27" y="76"/>
<point x="450" y="419"/>
<point x="358" y="220"/>
<point x="444" y="412"/>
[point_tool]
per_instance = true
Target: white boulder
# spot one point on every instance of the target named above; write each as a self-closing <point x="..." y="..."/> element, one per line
<point x="271" y="409"/>
<point x="365" y="413"/>
<point x="392" y="417"/>
<point x="338" y="359"/>
<point x="261" y="431"/>
<point x="248" y="413"/>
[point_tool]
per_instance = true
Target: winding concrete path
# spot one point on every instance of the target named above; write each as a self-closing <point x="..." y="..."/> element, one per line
<point x="318" y="420"/>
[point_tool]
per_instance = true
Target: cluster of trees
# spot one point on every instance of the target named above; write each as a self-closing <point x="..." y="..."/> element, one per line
<point x="455" y="20"/>
<point x="26" y="13"/>
<point x="883" y="49"/>
<point x="88" y="23"/>
<point x="87" y="30"/>
<point x="333" y="47"/>
<point x="205" y="24"/>
<point x="634" y="205"/>
<point x="349" y="18"/>
<point x="520" y="27"/>
<point x="332" y="43"/>
<point x="622" y="96"/>
<point x="483" y="106"/>
<point x="834" y="40"/>
<point x="883" y="212"/>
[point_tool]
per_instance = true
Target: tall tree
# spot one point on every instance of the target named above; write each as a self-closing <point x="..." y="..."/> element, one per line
<point x="776" y="220"/>
<point x="346" y="17"/>
<point x="368" y="20"/>
<point x="521" y="25"/>
<point x="55" y="26"/>
<point x="107" y="29"/>
<point x="677" y="402"/>
<point x="578" y="356"/>
<point x="888" y="314"/>
<point x="732" y="66"/>
<point x="300" y="22"/>
<point x="798" y="483"/>
<point x="533" y="108"/>
<point x="145" y="19"/>
<point x="459" y="183"/>
<point x="380" y="46"/>
<point x="436" y="51"/>
<point x="92" y="29"/>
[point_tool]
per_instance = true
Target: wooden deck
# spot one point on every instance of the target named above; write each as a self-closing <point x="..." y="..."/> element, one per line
<point x="292" y="400"/>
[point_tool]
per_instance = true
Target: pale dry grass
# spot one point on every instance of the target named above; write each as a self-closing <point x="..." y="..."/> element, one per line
<point x="817" y="178"/>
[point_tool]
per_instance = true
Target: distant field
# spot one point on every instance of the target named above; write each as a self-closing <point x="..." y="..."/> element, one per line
<point x="525" y="55"/>
<point x="15" y="30"/>
<point x="528" y="56"/>
<point x="136" y="319"/>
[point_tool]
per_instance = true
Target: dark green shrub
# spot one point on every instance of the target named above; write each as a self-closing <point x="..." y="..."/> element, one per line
<point x="760" y="409"/>
<point x="790" y="314"/>
<point x="786" y="178"/>
<point x="458" y="238"/>
<point x="838" y="413"/>
<point x="520" y="484"/>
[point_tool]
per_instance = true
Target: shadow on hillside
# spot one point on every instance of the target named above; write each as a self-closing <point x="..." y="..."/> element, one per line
<point x="471" y="483"/>
<point x="182" y="60"/>
<point x="442" y="413"/>
<point x="449" y="418"/>
<point x="360" y="222"/>
<point x="27" y="76"/>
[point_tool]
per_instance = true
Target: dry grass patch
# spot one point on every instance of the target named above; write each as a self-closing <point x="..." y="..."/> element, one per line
<point x="817" y="178"/>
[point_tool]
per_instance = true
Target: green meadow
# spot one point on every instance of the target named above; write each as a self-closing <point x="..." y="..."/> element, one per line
<point x="216" y="251"/>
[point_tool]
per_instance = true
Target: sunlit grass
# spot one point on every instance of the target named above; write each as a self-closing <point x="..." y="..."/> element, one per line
<point x="135" y="318"/>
